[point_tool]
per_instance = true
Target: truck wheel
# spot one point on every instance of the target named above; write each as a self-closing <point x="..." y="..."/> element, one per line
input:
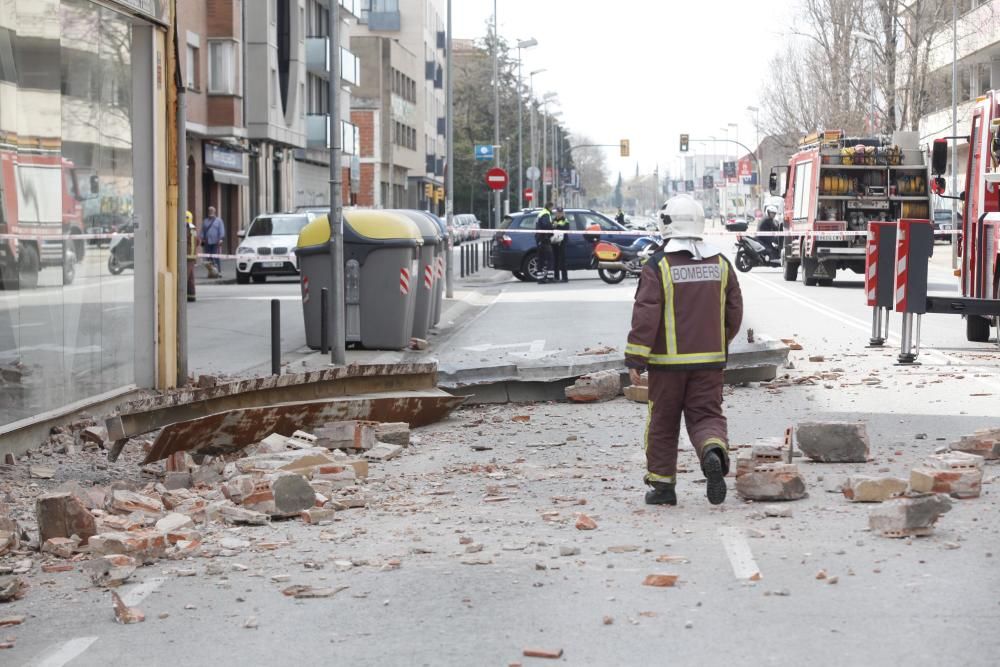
<point x="790" y="270"/>
<point x="28" y="266"/>
<point x="977" y="329"/>
<point x="809" y="271"/>
<point x="69" y="268"/>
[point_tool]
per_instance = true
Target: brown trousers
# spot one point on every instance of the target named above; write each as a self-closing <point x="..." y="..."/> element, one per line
<point x="697" y="395"/>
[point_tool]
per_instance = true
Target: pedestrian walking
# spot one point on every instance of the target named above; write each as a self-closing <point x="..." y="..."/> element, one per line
<point x="192" y="254"/>
<point x="559" y="241"/>
<point x="543" y="242"/>
<point x="688" y="308"/>
<point x="213" y="233"/>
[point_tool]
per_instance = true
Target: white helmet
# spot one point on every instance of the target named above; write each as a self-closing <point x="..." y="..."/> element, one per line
<point x="771" y="209"/>
<point x="682" y="217"/>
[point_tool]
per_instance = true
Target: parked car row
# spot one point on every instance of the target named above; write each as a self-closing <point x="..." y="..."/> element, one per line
<point x="465" y="227"/>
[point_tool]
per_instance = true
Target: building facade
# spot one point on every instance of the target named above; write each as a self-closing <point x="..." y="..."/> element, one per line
<point x="412" y="108"/>
<point x="83" y="98"/>
<point x="210" y="36"/>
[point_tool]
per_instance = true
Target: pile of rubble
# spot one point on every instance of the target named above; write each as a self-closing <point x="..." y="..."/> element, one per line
<point x="765" y="472"/>
<point x="108" y="531"/>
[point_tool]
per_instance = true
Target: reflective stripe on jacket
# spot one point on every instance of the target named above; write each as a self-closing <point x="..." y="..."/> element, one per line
<point x="686" y="313"/>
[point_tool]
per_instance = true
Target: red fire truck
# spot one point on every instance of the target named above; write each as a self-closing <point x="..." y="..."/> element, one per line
<point x="833" y="187"/>
<point x="979" y="241"/>
<point x="40" y="205"/>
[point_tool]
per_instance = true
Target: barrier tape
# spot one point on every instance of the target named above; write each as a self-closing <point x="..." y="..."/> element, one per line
<point x="638" y="234"/>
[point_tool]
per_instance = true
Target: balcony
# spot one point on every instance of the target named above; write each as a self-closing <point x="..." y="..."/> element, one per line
<point x="978" y="29"/>
<point x="318" y="130"/>
<point x="388" y="21"/>
<point x="318" y="56"/>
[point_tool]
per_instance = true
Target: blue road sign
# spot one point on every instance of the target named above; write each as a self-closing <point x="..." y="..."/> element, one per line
<point x="484" y="151"/>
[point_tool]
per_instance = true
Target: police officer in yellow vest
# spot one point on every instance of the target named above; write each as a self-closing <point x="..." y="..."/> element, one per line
<point x="559" y="241"/>
<point x="688" y="308"/>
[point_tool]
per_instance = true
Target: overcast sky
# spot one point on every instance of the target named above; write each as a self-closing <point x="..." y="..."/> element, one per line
<point x="645" y="70"/>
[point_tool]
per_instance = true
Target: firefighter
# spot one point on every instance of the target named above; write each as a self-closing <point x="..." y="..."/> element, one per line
<point x="688" y="308"/>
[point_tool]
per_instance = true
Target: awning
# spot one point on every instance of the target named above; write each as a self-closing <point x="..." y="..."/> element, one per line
<point x="230" y="177"/>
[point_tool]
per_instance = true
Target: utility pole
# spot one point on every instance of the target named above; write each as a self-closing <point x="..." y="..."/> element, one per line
<point x="534" y="131"/>
<point x="338" y="349"/>
<point x="449" y="201"/>
<point x="954" y="130"/>
<point x="521" y="44"/>
<point x="496" y="115"/>
<point x="545" y="153"/>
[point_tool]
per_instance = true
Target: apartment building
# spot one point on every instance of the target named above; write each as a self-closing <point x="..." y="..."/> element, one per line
<point x="210" y="37"/>
<point x="409" y="113"/>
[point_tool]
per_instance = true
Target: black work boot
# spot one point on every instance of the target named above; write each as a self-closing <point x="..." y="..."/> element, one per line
<point x="715" y="473"/>
<point x="662" y="493"/>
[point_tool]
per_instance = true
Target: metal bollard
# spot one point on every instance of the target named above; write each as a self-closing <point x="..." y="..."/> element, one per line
<point x="461" y="261"/>
<point x="475" y="258"/>
<point x="324" y="325"/>
<point x="275" y="337"/>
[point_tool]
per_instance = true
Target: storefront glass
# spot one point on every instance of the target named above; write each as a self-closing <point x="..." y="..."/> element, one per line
<point x="66" y="170"/>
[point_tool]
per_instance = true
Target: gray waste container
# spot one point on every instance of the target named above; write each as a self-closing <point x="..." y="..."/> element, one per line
<point x="381" y="258"/>
<point x="443" y="259"/>
<point x="427" y="272"/>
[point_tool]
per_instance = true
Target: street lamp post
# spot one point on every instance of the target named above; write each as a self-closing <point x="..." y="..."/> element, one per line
<point x="555" y="156"/>
<point x="532" y="131"/>
<point x="548" y="97"/>
<point x="521" y="44"/>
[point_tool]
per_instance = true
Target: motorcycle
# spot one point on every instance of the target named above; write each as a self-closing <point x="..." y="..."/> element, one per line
<point x="750" y="253"/>
<point x="122" y="252"/>
<point x="615" y="263"/>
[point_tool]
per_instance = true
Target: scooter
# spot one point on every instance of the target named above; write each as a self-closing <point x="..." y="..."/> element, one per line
<point x="615" y="263"/>
<point x="750" y="253"/>
<point x="121" y="255"/>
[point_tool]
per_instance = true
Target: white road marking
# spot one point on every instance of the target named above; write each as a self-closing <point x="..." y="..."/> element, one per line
<point x="138" y="593"/>
<point x="738" y="550"/>
<point x="63" y="653"/>
<point x="533" y="346"/>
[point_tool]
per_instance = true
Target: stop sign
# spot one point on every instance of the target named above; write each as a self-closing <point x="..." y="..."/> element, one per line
<point x="496" y="178"/>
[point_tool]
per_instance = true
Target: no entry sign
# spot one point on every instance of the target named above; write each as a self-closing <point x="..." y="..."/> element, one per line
<point x="496" y="178"/>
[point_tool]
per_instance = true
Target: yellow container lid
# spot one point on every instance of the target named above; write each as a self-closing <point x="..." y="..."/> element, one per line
<point x="364" y="225"/>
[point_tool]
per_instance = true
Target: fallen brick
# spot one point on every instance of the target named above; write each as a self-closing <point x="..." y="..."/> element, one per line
<point x="125" y="502"/>
<point x="110" y="570"/>
<point x="905" y="517"/>
<point x="383" y="451"/>
<point x="61" y="547"/>
<point x="584" y="522"/>
<point x="772" y="481"/>
<point x="316" y="516"/>
<point x="141" y="544"/>
<point x="394" y="433"/>
<point x="355" y="435"/>
<point x="866" y="489"/>
<point x="834" y="442"/>
<point x="967" y="483"/>
<point x="51" y="568"/>
<point x="9" y="621"/>
<point x="123" y="613"/>
<point x="63" y="515"/>
<point x="760" y="453"/>
<point x="241" y="515"/>
<point x="97" y="435"/>
<point x="660" y="580"/>
<point x="984" y="442"/>
<point x="637" y="393"/>
<point x="174" y="522"/>
<point x="596" y="387"/>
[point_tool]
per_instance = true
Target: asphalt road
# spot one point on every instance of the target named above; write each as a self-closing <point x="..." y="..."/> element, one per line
<point x="514" y="488"/>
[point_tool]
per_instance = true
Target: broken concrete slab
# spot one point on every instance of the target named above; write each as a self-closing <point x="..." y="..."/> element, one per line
<point x="60" y="547"/>
<point x="97" y="435"/>
<point x="596" y="387"/>
<point x="772" y="481"/>
<point x="174" y="522"/>
<point x="228" y="432"/>
<point x="281" y="495"/>
<point x="905" y="517"/>
<point x="383" y="452"/>
<point x="121" y="501"/>
<point x="61" y="514"/>
<point x="868" y="489"/>
<point x="141" y="544"/>
<point x="984" y="442"/>
<point x="833" y="442"/>
<point x="110" y="571"/>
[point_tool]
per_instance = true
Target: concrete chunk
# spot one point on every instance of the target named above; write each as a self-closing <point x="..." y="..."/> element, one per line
<point x="596" y="387"/>
<point x="866" y="489"/>
<point x="834" y="442"/>
<point x="125" y="502"/>
<point x="760" y="453"/>
<point x="772" y="481"/>
<point x="383" y="452"/>
<point x="961" y="483"/>
<point x="63" y="515"/>
<point x="174" y="522"/>
<point x="356" y="435"/>
<point x="280" y="495"/>
<point x="905" y="517"/>
<point x="393" y="433"/>
<point x="110" y="571"/>
<point x="141" y="544"/>
<point x="61" y="547"/>
<point x="637" y="393"/>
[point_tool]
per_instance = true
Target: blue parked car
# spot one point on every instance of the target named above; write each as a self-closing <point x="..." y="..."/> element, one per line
<point x="516" y="252"/>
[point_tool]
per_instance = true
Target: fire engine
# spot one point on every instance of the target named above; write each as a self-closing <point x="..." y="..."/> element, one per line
<point x="979" y="240"/>
<point x="40" y="204"/>
<point x="833" y="187"/>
